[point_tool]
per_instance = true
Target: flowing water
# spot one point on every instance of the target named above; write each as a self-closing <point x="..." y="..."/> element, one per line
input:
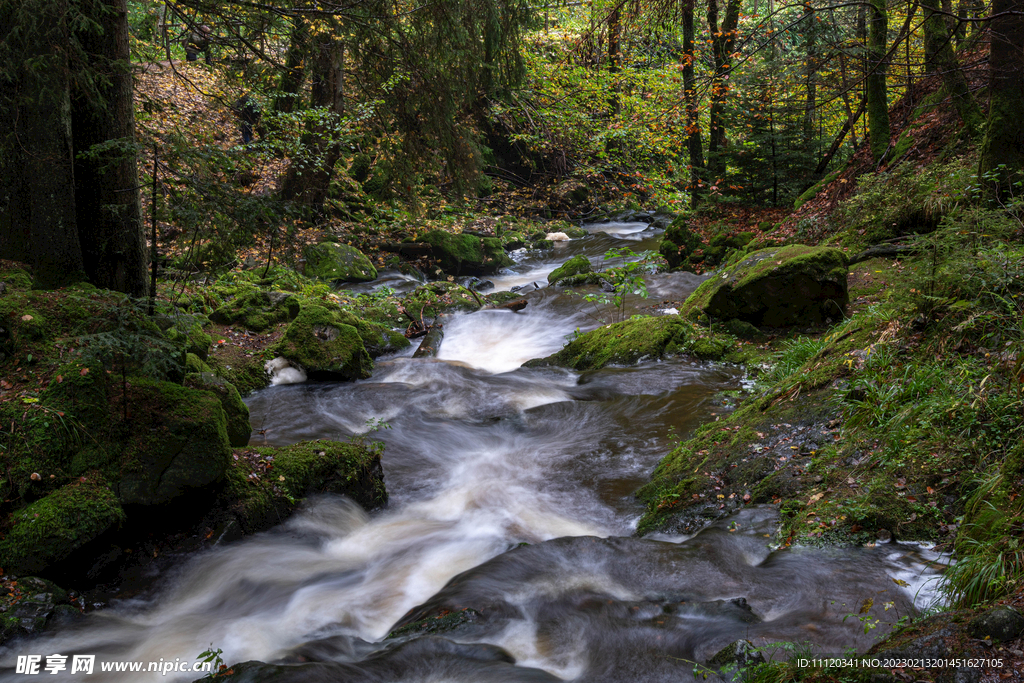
<point x="512" y="495"/>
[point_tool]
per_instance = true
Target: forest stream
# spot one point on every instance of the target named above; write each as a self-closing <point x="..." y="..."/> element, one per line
<point x="511" y="515"/>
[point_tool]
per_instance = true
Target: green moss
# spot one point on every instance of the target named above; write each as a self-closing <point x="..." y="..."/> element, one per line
<point x="257" y="310"/>
<point x="247" y="374"/>
<point x="378" y="339"/>
<point x="52" y="528"/>
<point x="318" y="341"/>
<point x="194" y="364"/>
<point x="813" y="190"/>
<point x="237" y="413"/>
<point x="264" y="484"/>
<point x="174" y="440"/>
<point x="776" y="287"/>
<point x="467" y="254"/>
<point x="338" y="262"/>
<point x="16" y="278"/>
<point x="577" y="265"/>
<point x="638" y="339"/>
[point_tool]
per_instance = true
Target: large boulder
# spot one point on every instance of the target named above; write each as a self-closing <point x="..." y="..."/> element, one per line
<point x="338" y="263"/>
<point x="776" y="287"/>
<point x="577" y="265"/>
<point x="54" y="526"/>
<point x="173" y="441"/>
<point x="467" y="254"/>
<point x="257" y="310"/>
<point x="323" y="345"/>
<point x="636" y="340"/>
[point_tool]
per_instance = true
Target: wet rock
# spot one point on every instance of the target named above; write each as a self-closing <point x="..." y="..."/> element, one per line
<point x="742" y="329"/>
<point x="737" y="656"/>
<point x="577" y="265"/>
<point x="257" y="310"/>
<point x="679" y="242"/>
<point x="1001" y="624"/>
<point x="52" y="528"/>
<point x="338" y="263"/>
<point x="264" y="484"/>
<point x="319" y="342"/>
<point x="466" y="254"/>
<point x="777" y="287"/>
<point x="39" y="601"/>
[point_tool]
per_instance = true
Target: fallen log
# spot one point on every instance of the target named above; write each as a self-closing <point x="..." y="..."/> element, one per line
<point x="431" y="343"/>
<point x="514" y="306"/>
<point x="884" y="251"/>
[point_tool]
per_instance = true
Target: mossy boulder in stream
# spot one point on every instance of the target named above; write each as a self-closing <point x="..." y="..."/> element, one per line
<point x="265" y="484"/>
<point x="639" y="339"/>
<point x="236" y="412"/>
<point x="464" y="254"/>
<point x="323" y="345"/>
<point x="577" y="265"/>
<point x="776" y="287"/>
<point x="338" y="263"/>
<point x="53" y="527"/>
<point x="257" y="310"/>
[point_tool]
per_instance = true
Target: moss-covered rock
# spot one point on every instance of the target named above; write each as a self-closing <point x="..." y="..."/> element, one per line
<point x="173" y="441"/>
<point x="53" y="527"/>
<point x="639" y="339"/>
<point x="193" y="338"/>
<point x="378" y="339"/>
<point x="577" y="265"/>
<point x="237" y="413"/>
<point x="194" y="364"/>
<point x="338" y="263"/>
<point x="776" y="287"/>
<point x="257" y="310"/>
<point x="265" y="484"/>
<point x="467" y="254"/>
<point x="30" y="604"/>
<point x="319" y="342"/>
<point x="246" y="373"/>
<point x="679" y="242"/>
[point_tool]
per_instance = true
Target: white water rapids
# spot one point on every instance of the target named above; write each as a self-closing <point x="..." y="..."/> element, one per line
<point x="481" y="457"/>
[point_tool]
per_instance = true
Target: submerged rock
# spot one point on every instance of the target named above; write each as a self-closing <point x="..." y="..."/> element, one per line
<point x="776" y="287"/>
<point x="338" y="263"/>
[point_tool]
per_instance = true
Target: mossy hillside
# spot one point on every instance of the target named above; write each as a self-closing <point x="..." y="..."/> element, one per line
<point x="52" y="528"/>
<point x="338" y="263"/>
<point x="257" y="309"/>
<point x="813" y="190"/>
<point x="577" y="265"/>
<point x="263" y="485"/>
<point x="35" y="439"/>
<point x="318" y="341"/>
<point x="237" y="413"/>
<point x="638" y="339"/>
<point x="776" y="287"/>
<point x="174" y="440"/>
<point x="462" y="254"/>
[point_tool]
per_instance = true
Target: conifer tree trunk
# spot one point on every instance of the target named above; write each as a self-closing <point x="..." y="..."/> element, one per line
<point x="723" y="38"/>
<point x="294" y="74"/>
<point x="693" y="137"/>
<point x="876" y="90"/>
<point x="942" y="60"/>
<point x="106" y="175"/>
<point x="1002" y="152"/>
<point x="309" y="176"/>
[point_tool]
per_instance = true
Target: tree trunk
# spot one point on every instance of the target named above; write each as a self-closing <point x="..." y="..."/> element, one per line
<point x="938" y="49"/>
<point x="875" y="81"/>
<point x="106" y="188"/>
<point x="291" y="79"/>
<point x="309" y="176"/>
<point x="1002" y="152"/>
<point x="693" y="139"/>
<point x="723" y="38"/>
<point x="38" y="221"/>
<point x="811" y="69"/>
